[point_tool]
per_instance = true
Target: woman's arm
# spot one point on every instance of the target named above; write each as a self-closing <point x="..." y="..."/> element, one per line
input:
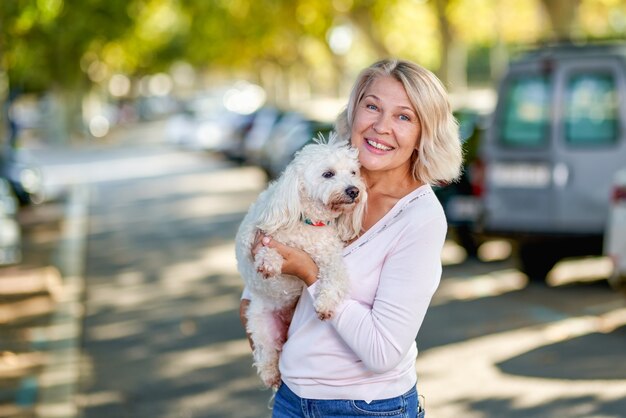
<point x="382" y="334"/>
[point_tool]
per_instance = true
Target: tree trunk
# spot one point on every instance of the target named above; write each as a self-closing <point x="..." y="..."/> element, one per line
<point x="362" y="19"/>
<point x="62" y="116"/>
<point x="456" y="74"/>
<point x="5" y="124"/>
<point x="446" y="36"/>
<point x="562" y="15"/>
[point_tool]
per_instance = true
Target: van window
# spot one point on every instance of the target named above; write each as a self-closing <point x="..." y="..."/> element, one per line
<point x="591" y="109"/>
<point x="526" y="112"/>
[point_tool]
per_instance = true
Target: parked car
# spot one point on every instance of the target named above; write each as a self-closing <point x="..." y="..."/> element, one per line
<point x="265" y="122"/>
<point x="24" y="176"/>
<point x="204" y="123"/>
<point x="557" y="137"/>
<point x="233" y="148"/>
<point x="249" y="136"/>
<point x="615" y="238"/>
<point x="290" y="135"/>
<point x="10" y="235"/>
<point x="461" y="199"/>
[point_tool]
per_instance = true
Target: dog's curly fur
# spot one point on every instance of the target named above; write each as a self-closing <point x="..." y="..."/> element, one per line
<point x="321" y="183"/>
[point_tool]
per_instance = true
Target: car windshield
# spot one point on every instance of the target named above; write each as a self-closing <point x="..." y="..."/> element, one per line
<point x="526" y="112"/>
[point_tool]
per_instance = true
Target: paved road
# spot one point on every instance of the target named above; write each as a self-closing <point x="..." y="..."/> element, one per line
<point x="161" y="334"/>
<point x="493" y="346"/>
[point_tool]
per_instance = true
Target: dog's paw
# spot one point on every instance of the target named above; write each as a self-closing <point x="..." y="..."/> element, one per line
<point x="267" y="271"/>
<point x="324" y="315"/>
<point x="268" y="262"/>
<point x="323" y="311"/>
<point x="325" y="307"/>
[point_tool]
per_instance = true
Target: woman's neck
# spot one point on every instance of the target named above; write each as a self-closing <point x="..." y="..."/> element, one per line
<point x="383" y="192"/>
<point x="386" y="184"/>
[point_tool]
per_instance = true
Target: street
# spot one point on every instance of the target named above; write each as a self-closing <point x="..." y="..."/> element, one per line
<point x="161" y="336"/>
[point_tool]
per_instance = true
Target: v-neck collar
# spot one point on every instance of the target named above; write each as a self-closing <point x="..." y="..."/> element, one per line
<point x="387" y="219"/>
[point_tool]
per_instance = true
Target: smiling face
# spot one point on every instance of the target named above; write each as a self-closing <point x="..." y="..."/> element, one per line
<point x="386" y="129"/>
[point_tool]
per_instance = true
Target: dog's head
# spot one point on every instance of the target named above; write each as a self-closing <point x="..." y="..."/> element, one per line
<point x="323" y="183"/>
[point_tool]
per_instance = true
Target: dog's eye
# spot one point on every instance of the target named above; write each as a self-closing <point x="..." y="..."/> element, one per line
<point x="328" y="174"/>
<point x="354" y="173"/>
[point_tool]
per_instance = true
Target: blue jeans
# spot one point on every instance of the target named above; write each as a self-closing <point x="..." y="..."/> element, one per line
<point x="289" y="405"/>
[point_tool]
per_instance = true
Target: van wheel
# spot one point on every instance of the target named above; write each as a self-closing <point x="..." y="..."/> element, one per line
<point x="536" y="259"/>
<point x="466" y="239"/>
<point x="618" y="282"/>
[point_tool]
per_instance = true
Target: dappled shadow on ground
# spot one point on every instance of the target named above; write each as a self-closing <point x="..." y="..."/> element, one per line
<point x="570" y="406"/>
<point x="162" y="334"/>
<point x="482" y="304"/>
<point x="592" y="356"/>
<point x="493" y="345"/>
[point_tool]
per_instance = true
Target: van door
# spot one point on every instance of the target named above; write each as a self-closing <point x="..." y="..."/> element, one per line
<point x="518" y="154"/>
<point x="590" y="143"/>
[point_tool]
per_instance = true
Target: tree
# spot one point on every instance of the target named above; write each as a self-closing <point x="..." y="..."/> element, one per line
<point x="562" y="18"/>
<point x="42" y="44"/>
<point x="66" y="46"/>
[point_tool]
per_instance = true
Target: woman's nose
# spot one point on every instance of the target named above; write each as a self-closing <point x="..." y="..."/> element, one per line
<point x="381" y="124"/>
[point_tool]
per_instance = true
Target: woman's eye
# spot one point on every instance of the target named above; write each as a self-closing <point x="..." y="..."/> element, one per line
<point x="371" y="107"/>
<point x="405" y="118"/>
<point x="328" y="174"/>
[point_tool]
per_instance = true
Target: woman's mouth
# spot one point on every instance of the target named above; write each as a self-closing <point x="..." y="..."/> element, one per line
<point x="378" y="145"/>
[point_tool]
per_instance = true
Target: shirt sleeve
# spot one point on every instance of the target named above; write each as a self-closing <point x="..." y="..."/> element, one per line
<point x="382" y="334"/>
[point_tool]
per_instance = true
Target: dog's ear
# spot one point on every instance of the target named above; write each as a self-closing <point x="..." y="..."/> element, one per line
<point x="283" y="208"/>
<point x="349" y="224"/>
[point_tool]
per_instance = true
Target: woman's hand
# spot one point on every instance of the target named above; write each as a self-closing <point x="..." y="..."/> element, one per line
<point x="296" y="262"/>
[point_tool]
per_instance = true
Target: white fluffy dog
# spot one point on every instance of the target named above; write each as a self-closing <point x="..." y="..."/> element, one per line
<point x="316" y="205"/>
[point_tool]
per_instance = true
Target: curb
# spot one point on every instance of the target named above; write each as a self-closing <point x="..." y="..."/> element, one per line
<point x="59" y="379"/>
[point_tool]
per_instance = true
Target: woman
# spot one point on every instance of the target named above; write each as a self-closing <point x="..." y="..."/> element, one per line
<point x="362" y="361"/>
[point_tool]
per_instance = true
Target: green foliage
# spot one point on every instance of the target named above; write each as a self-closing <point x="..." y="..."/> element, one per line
<point x="45" y="43"/>
<point x="42" y="41"/>
<point x="240" y="33"/>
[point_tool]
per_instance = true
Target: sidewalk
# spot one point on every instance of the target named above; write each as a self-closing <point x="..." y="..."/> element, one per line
<point x="41" y="311"/>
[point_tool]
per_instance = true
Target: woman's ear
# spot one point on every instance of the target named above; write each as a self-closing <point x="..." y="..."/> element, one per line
<point x="282" y="207"/>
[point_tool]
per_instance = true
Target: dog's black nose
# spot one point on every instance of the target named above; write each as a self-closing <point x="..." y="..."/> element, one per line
<point x="352" y="191"/>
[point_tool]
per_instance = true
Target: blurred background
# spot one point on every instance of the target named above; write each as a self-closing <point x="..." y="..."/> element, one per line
<point x="135" y="134"/>
<point x="73" y="71"/>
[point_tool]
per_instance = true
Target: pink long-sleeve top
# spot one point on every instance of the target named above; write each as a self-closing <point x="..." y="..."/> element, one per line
<point x="367" y="350"/>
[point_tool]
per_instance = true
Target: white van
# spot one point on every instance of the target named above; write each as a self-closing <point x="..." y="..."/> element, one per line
<point x="557" y="137"/>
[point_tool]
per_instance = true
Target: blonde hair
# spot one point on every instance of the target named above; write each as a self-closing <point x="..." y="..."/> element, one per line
<point x="439" y="155"/>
